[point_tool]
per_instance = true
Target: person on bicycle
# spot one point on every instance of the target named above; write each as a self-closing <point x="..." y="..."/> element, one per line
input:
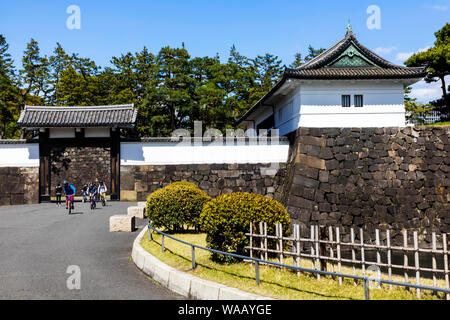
<point x="92" y="191"/>
<point x="69" y="191"/>
<point x="102" y="190"/>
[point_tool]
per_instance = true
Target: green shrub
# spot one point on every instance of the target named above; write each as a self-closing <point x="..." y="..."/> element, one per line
<point x="176" y="206"/>
<point x="227" y="218"/>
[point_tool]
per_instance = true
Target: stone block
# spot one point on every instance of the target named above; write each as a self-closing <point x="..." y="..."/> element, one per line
<point x="140" y="186"/>
<point x="128" y="195"/>
<point x="137" y="212"/>
<point x="310" y="161"/>
<point x="179" y="282"/>
<point x="121" y="223"/>
<point x="205" y="290"/>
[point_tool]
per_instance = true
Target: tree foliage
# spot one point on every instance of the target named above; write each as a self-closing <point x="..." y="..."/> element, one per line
<point x="437" y="62"/>
<point x="416" y="112"/>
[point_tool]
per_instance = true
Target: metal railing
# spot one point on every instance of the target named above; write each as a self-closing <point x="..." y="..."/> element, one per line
<point x="365" y="280"/>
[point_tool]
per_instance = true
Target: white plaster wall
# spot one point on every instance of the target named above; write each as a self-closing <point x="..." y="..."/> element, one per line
<point x="287" y="113"/>
<point x="383" y="105"/>
<point x="19" y="155"/>
<point x="318" y="104"/>
<point x="132" y="153"/>
<point x="96" y="132"/>
<point x="62" y="133"/>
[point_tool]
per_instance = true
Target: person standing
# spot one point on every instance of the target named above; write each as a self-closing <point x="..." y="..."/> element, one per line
<point x="85" y="189"/>
<point x="58" y="193"/>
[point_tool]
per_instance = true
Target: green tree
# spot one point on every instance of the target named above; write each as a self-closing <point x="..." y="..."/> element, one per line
<point x="312" y="53"/>
<point x="437" y="62"/>
<point x="33" y="77"/>
<point x="59" y="62"/>
<point x="80" y="84"/>
<point x="298" y="61"/>
<point x="416" y="112"/>
<point x="9" y="93"/>
<point x="168" y="96"/>
<point x="268" y="71"/>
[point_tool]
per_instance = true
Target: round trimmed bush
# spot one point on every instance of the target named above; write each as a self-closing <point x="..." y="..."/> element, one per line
<point x="176" y="206"/>
<point x="227" y="219"/>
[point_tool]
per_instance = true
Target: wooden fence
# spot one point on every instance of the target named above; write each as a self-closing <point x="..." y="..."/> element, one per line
<point x="325" y="247"/>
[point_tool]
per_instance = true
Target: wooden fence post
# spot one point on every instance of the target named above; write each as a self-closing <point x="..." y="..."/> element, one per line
<point x="261" y="240"/>
<point x="279" y="234"/>
<point x="377" y="243"/>
<point x="446" y="269"/>
<point x="363" y="257"/>
<point x="338" y="248"/>
<point x="405" y="254"/>
<point x="323" y="248"/>
<point x="330" y="237"/>
<point x="312" y="248"/>
<point x="433" y="257"/>
<point x="416" y="258"/>
<point x="265" y="242"/>
<point x="316" y="236"/>
<point x="251" y="239"/>
<point x="352" y="239"/>
<point x="389" y="257"/>
<point x="297" y="246"/>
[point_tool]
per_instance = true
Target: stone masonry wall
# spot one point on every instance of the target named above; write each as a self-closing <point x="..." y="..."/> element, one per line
<point x="370" y="178"/>
<point x="19" y="185"/>
<point x="80" y="165"/>
<point x="137" y="182"/>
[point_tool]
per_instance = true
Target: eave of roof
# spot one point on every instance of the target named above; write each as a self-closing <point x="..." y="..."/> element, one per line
<point x="122" y="116"/>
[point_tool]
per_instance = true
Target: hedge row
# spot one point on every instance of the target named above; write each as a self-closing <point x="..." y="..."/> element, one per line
<point x="225" y="219"/>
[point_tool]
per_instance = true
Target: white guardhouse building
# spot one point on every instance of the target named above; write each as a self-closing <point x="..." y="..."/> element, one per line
<point x="345" y="86"/>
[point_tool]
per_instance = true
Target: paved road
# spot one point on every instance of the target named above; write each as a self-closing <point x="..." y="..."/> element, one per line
<point x="39" y="242"/>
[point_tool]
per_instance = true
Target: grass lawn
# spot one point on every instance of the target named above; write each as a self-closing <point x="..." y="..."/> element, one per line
<point x="275" y="282"/>
<point x="445" y="123"/>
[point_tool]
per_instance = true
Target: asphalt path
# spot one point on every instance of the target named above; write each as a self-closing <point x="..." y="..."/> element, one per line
<point x="39" y="244"/>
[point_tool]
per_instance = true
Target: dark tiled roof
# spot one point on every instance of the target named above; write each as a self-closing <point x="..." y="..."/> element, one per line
<point x="317" y="68"/>
<point x="97" y="116"/>
<point x="356" y="73"/>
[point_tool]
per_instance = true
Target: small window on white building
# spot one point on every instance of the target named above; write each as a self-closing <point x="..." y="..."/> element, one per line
<point x="346" y="100"/>
<point x="358" y="100"/>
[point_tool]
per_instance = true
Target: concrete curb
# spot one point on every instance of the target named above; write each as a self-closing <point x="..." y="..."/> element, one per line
<point x="182" y="283"/>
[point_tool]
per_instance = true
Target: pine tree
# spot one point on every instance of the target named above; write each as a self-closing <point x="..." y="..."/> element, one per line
<point x="312" y="53"/>
<point x="298" y="61"/>
<point x="437" y="62"/>
<point x="168" y="101"/>
<point x="9" y="93"/>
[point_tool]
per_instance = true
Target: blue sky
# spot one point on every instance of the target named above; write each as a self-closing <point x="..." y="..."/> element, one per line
<point x="283" y="27"/>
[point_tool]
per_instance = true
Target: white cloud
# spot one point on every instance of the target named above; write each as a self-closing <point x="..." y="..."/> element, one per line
<point x="425" y="92"/>
<point x="381" y="50"/>
<point x="439" y="8"/>
<point x="403" y="56"/>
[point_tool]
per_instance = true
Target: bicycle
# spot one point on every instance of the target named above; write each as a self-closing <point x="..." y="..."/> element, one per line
<point x="93" y="204"/>
<point x="103" y="198"/>
<point x="70" y="200"/>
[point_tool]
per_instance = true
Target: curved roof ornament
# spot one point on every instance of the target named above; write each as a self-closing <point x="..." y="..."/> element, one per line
<point x="349" y="27"/>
